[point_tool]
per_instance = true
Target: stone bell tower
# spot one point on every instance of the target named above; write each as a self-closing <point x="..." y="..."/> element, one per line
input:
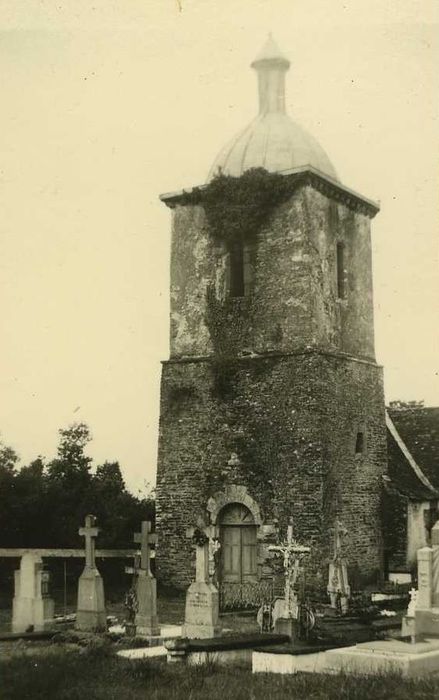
<point x="271" y="401"/>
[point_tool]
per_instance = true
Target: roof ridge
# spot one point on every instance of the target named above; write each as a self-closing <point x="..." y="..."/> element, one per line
<point x="407" y="454"/>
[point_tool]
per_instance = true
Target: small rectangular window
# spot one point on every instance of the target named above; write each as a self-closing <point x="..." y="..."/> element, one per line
<point x="340" y="271"/>
<point x="359" y="444"/>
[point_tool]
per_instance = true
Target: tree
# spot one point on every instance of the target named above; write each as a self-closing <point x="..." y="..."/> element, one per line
<point x="69" y="481"/>
<point x="30" y="505"/>
<point x="44" y="506"/>
<point x="8" y="459"/>
<point x="8" y="498"/>
<point x="72" y="463"/>
<point x="108" y="478"/>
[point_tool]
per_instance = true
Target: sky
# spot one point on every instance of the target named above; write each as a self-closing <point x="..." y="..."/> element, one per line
<point x="107" y="104"/>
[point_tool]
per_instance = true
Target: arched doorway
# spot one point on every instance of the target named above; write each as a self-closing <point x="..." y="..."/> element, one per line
<point x="238" y="560"/>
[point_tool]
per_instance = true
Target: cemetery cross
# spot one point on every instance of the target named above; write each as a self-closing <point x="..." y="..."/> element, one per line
<point x="89" y="531"/>
<point x="293" y="553"/>
<point x="205" y="545"/>
<point x="145" y="538"/>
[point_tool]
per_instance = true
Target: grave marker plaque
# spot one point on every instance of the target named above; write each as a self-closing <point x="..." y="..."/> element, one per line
<point x="427" y="605"/>
<point x="202" y="598"/>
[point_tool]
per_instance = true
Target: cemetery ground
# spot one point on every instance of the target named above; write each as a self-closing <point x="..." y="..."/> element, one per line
<point x="96" y="673"/>
<point x="68" y="671"/>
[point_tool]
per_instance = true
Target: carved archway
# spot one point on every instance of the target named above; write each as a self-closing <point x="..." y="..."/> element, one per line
<point x="232" y="494"/>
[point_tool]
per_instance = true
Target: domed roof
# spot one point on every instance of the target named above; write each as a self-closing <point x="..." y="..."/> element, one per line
<point x="273" y="140"/>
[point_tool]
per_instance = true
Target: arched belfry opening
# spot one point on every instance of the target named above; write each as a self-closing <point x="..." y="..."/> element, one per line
<point x="238" y="560"/>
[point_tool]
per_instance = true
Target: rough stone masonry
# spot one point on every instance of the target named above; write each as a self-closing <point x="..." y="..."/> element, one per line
<point x="274" y="394"/>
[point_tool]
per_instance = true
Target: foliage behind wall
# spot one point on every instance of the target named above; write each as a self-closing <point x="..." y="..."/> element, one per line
<point x="43" y="504"/>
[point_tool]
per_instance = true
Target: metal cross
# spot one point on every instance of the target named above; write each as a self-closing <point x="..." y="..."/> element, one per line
<point x="89" y="531"/>
<point x="145" y="538"/>
<point x="293" y="553"/>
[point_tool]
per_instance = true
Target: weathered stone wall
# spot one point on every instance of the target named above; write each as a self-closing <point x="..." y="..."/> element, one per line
<point x="272" y="377"/>
<point x="395" y="507"/>
<point x="292" y="420"/>
<point x="294" y="300"/>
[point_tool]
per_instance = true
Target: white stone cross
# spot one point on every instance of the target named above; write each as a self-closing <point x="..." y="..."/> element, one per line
<point x="90" y="531"/>
<point x="202" y="537"/>
<point x="413" y="602"/>
<point x="145" y="538"/>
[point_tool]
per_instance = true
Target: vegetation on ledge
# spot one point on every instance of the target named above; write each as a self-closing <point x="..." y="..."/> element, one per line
<point x="237" y="207"/>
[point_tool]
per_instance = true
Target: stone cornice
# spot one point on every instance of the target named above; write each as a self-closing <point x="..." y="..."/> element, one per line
<point x="270" y="355"/>
<point x="306" y="175"/>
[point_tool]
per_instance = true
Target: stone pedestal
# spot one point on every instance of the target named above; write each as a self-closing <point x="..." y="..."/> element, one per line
<point x="130" y="629"/>
<point x="146" y="616"/>
<point x="427" y="605"/>
<point x="91" y="615"/>
<point x="338" y="588"/>
<point x="202" y="611"/>
<point x="408" y="626"/>
<point x="286" y="625"/>
<point x="31" y="609"/>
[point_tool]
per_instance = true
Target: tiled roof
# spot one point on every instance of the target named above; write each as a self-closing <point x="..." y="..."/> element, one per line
<point x="418" y="427"/>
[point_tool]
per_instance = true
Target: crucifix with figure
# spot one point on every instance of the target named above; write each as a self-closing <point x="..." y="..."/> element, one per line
<point x="146" y="585"/>
<point x="292" y="553"/>
<point x="91" y="614"/>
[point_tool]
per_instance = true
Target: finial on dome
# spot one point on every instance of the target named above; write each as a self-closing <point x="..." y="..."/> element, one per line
<point x="271" y="66"/>
<point x="270" y="54"/>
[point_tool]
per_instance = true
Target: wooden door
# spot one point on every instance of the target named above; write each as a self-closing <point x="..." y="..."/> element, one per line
<point x="238" y="576"/>
<point x="231" y="555"/>
<point x="248" y="554"/>
<point x="238" y="554"/>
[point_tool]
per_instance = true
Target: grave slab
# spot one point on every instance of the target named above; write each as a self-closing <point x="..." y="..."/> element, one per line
<point x="224" y="650"/>
<point x="394" y="656"/>
<point x="143" y="653"/>
<point x="287" y="663"/>
<point x="166" y="633"/>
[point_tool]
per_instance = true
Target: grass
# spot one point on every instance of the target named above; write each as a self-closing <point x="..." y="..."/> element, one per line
<point x="96" y="674"/>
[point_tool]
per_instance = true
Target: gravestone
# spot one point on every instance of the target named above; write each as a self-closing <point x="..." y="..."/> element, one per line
<point x="427" y="604"/>
<point x="131" y="602"/>
<point x="338" y="587"/>
<point x="408" y="620"/>
<point x="146" y="588"/>
<point x="32" y="607"/>
<point x="91" y="615"/>
<point x="202" y="598"/>
<point x="286" y="610"/>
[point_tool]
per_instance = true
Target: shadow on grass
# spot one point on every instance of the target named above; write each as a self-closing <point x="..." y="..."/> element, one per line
<point x="97" y="674"/>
